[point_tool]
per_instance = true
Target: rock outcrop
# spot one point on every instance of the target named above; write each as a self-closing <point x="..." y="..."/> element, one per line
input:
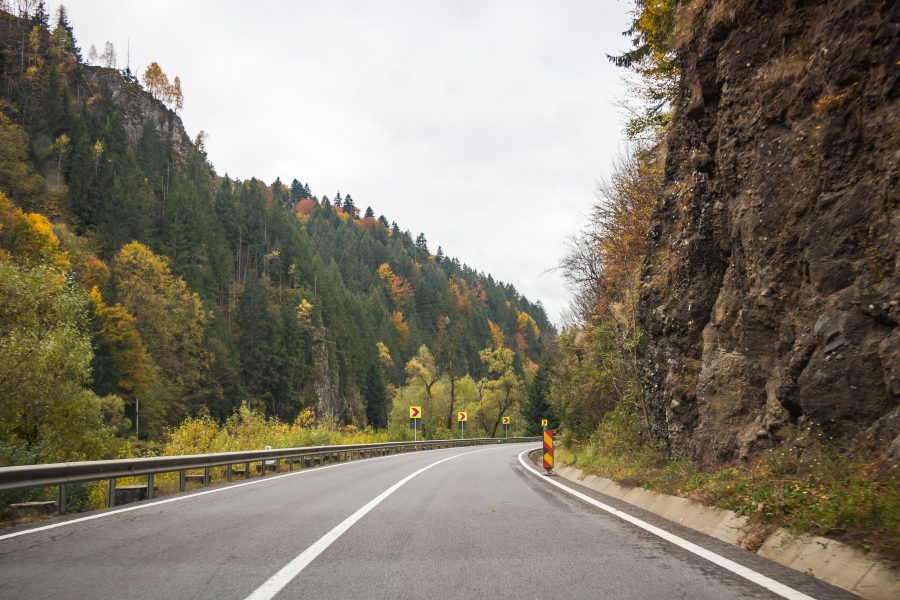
<point x="136" y="106"/>
<point x="769" y="299"/>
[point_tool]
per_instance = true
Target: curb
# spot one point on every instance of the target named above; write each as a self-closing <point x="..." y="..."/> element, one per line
<point x="829" y="560"/>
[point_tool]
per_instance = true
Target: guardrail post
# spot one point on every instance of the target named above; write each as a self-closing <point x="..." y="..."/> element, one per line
<point x="149" y="486"/>
<point x="111" y="493"/>
<point x="228" y="473"/>
<point x="246" y="470"/>
<point x="61" y="499"/>
<point x="182" y="482"/>
<point x="205" y="476"/>
<point x="278" y="465"/>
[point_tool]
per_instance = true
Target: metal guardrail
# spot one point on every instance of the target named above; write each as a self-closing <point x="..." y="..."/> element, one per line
<point x="61" y="474"/>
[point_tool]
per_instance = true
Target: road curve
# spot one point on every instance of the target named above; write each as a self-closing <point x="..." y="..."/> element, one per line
<point x="454" y="523"/>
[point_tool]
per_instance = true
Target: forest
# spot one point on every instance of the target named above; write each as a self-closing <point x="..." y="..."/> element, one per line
<point x="141" y="291"/>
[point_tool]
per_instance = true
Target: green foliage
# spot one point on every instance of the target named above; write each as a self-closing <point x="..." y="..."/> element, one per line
<point x="537" y="406"/>
<point x="654" y="61"/>
<point x="45" y="352"/>
<point x="501" y="393"/>
<point x="249" y="429"/>
<point x="590" y="378"/>
<point x="435" y="409"/>
<point x="170" y="320"/>
<point x="17" y="177"/>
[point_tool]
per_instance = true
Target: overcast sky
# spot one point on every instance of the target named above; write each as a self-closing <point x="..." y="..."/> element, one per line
<point x="485" y="124"/>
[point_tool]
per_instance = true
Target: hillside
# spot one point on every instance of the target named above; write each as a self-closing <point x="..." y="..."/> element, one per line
<point x="188" y="291"/>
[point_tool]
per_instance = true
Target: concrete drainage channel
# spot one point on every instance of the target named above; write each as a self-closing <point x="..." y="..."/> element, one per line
<point x="826" y="559"/>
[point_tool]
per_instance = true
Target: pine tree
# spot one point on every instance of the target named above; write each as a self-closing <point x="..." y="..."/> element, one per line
<point x="370" y="214"/>
<point x="376" y="399"/>
<point x="537" y="407"/>
<point x="422" y="243"/>
<point x="62" y="22"/>
<point x="297" y="191"/>
<point x="349" y="207"/>
<point x="40" y="18"/>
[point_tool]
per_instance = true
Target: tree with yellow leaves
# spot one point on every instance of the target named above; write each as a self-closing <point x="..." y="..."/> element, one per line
<point x="500" y="394"/>
<point x="384" y="355"/>
<point x="18" y="178"/>
<point x="158" y="85"/>
<point x="175" y="95"/>
<point x="45" y="349"/>
<point x="157" y="81"/>
<point x="170" y="320"/>
<point x="422" y="369"/>
<point x="122" y="366"/>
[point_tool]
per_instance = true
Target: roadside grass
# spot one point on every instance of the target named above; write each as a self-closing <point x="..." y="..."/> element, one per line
<point x="807" y="487"/>
<point x="246" y="429"/>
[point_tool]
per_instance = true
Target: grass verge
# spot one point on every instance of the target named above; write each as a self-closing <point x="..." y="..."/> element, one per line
<point x="806" y="487"/>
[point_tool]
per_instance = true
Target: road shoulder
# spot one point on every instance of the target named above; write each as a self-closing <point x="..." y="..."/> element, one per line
<point x="801" y="582"/>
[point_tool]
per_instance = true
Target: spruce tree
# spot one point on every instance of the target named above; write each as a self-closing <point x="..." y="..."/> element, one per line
<point x="297" y="191"/>
<point x="537" y="407"/>
<point x="422" y="243"/>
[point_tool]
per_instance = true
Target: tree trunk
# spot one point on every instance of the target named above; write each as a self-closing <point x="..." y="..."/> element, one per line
<point x="452" y="402"/>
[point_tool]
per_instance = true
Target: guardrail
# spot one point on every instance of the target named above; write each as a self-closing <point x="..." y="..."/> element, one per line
<point x="62" y="474"/>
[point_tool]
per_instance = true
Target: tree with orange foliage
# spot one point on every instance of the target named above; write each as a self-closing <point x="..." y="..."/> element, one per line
<point x="401" y="326"/>
<point x="603" y="268"/>
<point x="496" y="334"/>
<point x="399" y="288"/>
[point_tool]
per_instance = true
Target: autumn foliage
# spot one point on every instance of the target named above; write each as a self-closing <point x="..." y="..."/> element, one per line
<point x="158" y="85"/>
<point x="398" y="287"/>
<point x="304" y="208"/>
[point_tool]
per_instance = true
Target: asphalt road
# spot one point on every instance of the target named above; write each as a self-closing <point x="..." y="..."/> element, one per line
<point x="477" y="525"/>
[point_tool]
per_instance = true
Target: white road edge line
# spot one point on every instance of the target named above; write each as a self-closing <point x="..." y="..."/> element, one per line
<point x="188" y="496"/>
<point x="270" y="588"/>
<point x="728" y="564"/>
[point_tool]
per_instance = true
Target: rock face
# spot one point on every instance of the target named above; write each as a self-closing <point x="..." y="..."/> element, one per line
<point x="770" y="295"/>
<point x="330" y="403"/>
<point x="136" y="106"/>
<point x="328" y="400"/>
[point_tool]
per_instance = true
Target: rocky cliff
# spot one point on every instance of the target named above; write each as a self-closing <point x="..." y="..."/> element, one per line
<point x="769" y="299"/>
<point x="137" y="106"/>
